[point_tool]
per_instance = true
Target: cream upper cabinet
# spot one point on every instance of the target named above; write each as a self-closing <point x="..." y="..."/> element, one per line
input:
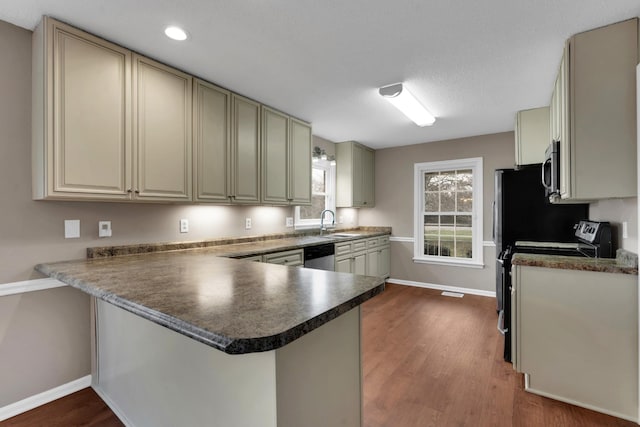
<point x="355" y="173"/>
<point x="81" y="115"/>
<point x="245" y="150"/>
<point x="532" y="135"/>
<point x="211" y="138"/>
<point x="275" y="139"/>
<point x="162" y="131"/>
<point x="286" y="159"/>
<point x="299" y="162"/>
<point x="593" y="113"/>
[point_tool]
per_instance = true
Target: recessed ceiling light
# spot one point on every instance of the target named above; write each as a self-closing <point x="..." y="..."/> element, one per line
<point x="175" y="33"/>
<point x="403" y="100"/>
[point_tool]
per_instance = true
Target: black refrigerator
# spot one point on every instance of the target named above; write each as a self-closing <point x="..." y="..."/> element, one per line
<point x="523" y="212"/>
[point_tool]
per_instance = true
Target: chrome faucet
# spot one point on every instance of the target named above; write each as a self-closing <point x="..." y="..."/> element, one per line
<point x="333" y="222"/>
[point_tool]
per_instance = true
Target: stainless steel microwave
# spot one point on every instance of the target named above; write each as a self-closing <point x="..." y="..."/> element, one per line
<point x="551" y="170"/>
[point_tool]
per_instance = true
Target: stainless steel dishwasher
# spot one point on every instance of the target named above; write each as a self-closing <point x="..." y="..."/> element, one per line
<point x="320" y="257"/>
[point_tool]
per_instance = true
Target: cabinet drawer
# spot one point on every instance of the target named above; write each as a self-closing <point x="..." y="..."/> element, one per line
<point x="359" y="245"/>
<point x="293" y="258"/>
<point x="343" y="248"/>
<point x="372" y="243"/>
<point x="255" y="258"/>
<point x="383" y="240"/>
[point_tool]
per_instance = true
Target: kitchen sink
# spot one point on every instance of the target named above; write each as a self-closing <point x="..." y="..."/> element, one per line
<point x="344" y="235"/>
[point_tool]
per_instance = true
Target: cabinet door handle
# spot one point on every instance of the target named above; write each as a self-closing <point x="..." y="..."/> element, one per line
<point x="129" y="191"/>
<point x="137" y="191"/>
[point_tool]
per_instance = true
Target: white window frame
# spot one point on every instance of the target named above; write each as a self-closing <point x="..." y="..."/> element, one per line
<point x="330" y="203"/>
<point x="475" y="164"/>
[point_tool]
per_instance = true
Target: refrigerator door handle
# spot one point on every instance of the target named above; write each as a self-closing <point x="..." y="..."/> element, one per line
<point x="495" y="219"/>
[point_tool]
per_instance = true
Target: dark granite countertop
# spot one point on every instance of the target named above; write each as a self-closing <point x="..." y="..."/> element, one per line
<point x="237" y="247"/>
<point x="603" y="265"/>
<point x="232" y="305"/>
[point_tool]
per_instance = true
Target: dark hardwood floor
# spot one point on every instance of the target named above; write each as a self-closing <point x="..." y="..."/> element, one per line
<point x="428" y="360"/>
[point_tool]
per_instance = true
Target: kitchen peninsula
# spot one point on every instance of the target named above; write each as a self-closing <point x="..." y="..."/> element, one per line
<point x="191" y="338"/>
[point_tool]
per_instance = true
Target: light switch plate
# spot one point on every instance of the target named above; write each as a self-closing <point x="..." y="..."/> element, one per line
<point x="247" y="223"/>
<point x="184" y="225"/>
<point x="71" y="228"/>
<point x="289" y="221"/>
<point x="104" y="228"/>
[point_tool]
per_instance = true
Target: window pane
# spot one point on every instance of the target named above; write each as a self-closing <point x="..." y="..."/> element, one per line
<point x="465" y="201"/>
<point x="313" y="211"/>
<point x="431" y="202"/>
<point x="447" y="201"/>
<point x="318" y="181"/>
<point x="464" y="248"/>
<point x="431" y="247"/>
<point x="431" y="228"/>
<point x="431" y="181"/>
<point x="465" y="180"/>
<point x="447" y="246"/>
<point x="448" y="181"/>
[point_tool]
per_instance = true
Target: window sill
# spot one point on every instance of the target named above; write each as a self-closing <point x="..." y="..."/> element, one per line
<point x="450" y="263"/>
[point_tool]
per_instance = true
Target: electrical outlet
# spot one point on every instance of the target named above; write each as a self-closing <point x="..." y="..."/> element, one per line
<point x="184" y="225"/>
<point x="289" y="221"/>
<point x="104" y="228"/>
<point x="71" y="228"/>
<point x="625" y="230"/>
<point x="247" y="223"/>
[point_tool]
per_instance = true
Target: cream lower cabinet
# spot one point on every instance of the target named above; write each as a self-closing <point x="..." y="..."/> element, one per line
<point x="576" y="337"/>
<point x="351" y="257"/>
<point x="593" y="113"/>
<point x="378" y="253"/>
<point x="107" y="124"/>
<point x="286" y="159"/>
<point x="294" y="258"/>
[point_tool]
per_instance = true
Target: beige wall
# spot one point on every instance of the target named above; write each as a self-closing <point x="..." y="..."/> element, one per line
<point x="32" y="232"/>
<point x="394" y="204"/>
<point x="616" y="211"/>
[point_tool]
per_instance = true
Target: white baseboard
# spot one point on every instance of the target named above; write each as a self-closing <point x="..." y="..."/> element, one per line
<point x="40" y="399"/>
<point x="469" y="291"/>
<point x="29" y="286"/>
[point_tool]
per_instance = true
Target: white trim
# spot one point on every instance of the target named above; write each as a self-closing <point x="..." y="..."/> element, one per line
<point x="330" y="197"/>
<point x="29" y="286"/>
<point x="476" y="166"/>
<point x="40" y="399"/>
<point x="485" y="243"/>
<point x="469" y="291"/>
<point x="453" y="262"/>
<point x="401" y="239"/>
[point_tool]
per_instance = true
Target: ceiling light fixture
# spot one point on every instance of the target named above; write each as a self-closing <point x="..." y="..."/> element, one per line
<point x="404" y="101"/>
<point x="175" y="33"/>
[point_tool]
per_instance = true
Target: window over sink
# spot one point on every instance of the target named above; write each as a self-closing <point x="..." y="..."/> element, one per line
<point x="448" y="212"/>
<point x="323" y="192"/>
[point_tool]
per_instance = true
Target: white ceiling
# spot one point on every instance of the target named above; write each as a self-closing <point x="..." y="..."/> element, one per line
<point x="472" y="63"/>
